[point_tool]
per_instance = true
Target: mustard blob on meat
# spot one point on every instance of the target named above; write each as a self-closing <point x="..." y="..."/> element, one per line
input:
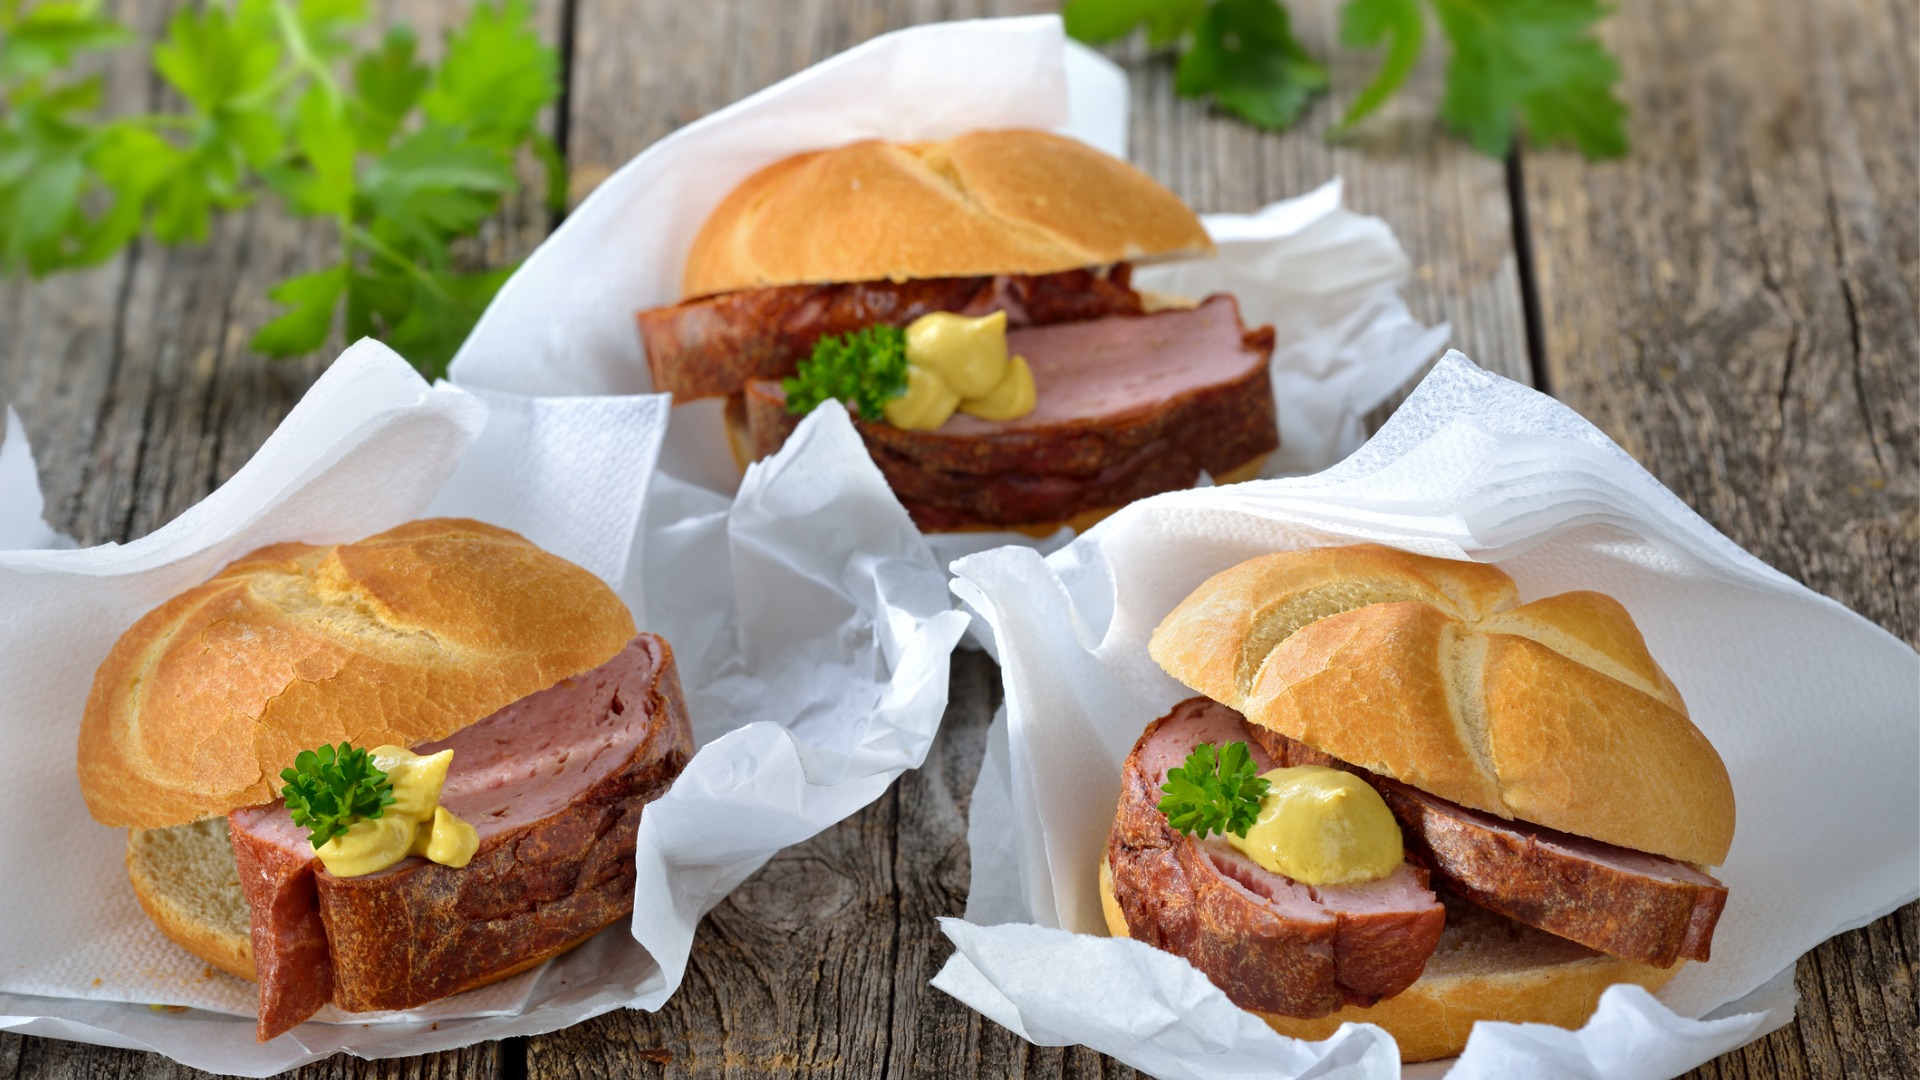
<point x="416" y="823"/>
<point x="957" y="362"/>
<point x="1322" y="826"/>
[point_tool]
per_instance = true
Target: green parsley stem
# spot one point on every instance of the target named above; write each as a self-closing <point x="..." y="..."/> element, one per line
<point x="368" y="240"/>
<point x="302" y="49"/>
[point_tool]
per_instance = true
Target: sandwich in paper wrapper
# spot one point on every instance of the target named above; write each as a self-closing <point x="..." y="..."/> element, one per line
<point x="791" y="736"/>
<point x="1812" y="709"/>
<point x="732" y="260"/>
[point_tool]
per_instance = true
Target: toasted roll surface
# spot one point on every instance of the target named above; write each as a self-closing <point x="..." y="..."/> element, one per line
<point x="400" y="638"/>
<point x="988" y="202"/>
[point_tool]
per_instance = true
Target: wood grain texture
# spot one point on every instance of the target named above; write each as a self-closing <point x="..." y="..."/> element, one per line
<point x="1735" y="305"/>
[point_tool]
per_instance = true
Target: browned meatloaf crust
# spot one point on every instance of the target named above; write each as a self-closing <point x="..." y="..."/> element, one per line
<point x="554" y="784"/>
<point x="712" y="346"/>
<point x="1127" y="406"/>
<point x="1271" y="943"/>
<point x="1631" y="904"/>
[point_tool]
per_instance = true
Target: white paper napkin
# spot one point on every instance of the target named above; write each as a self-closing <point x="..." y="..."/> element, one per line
<point x="1814" y="709"/>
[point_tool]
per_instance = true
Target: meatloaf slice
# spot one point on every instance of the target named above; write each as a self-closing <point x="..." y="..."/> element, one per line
<point x="1631" y="904"/>
<point x="554" y="785"/>
<point x="711" y="346"/>
<point x="1126" y="407"/>
<point x="1626" y="903"/>
<point x="1271" y="943"/>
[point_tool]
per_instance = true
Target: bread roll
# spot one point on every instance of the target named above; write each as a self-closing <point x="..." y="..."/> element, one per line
<point x="989" y="202"/>
<point x="1431" y="672"/>
<point x="400" y="638"/>
<point x="186" y="881"/>
<point x="1485" y="968"/>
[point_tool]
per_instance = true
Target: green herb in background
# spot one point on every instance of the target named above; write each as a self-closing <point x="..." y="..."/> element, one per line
<point x="404" y="158"/>
<point x="1536" y="61"/>
<point x="1215" y="791"/>
<point x="329" y="789"/>
<point x="863" y="369"/>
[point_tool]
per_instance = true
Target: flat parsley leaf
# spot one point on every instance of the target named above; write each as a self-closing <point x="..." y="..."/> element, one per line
<point x="1538" y="59"/>
<point x="330" y="788"/>
<point x="389" y="81"/>
<point x="444" y="307"/>
<point x="46" y="37"/>
<point x="1245" y="55"/>
<point x="1535" y="62"/>
<point x="406" y="160"/>
<point x="497" y="75"/>
<point x="1215" y="791"/>
<point x="863" y="369"/>
<point x="1363" y="25"/>
<point x="303" y="328"/>
<point x="1098" y="21"/>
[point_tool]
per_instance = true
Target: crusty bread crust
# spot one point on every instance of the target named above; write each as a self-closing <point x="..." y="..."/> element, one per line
<point x="988" y="202"/>
<point x="1484" y="969"/>
<point x="400" y="638"/>
<point x="1431" y="672"/>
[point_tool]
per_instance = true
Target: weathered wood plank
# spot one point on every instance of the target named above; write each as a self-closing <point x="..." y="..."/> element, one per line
<point x="1735" y="304"/>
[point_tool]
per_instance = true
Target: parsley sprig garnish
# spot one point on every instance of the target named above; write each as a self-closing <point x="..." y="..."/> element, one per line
<point x="863" y="369"/>
<point x="330" y="788"/>
<point x="1536" y="61"/>
<point x="274" y="97"/>
<point x="1215" y="791"/>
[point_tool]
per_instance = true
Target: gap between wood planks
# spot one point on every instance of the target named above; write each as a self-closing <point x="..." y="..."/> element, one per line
<point x="1523" y="262"/>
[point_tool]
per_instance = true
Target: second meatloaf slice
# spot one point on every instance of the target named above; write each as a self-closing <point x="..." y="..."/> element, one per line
<point x="1126" y="407"/>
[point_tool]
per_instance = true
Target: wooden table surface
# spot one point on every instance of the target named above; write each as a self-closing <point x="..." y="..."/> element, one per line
<point x="1734" y="304"/>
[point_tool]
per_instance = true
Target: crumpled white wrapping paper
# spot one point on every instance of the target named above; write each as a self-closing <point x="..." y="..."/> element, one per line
<point x="1325" y="277"/>
<point x="811" y="626"/>
<point x="1814" y="709"/>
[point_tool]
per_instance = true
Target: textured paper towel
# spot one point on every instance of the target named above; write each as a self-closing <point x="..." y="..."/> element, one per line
<point x="1326" y="278"/>
<point x="1813" y="708"/>
<point x="804" y="714"/>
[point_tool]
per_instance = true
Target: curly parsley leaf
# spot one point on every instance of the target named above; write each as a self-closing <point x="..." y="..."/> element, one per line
<point x="330" y="788"/>
<point x="863" y="369"/>
<point x="1215" y="791"/>
<point x="1245" y="55"/>
<point x="1537" y="60"/>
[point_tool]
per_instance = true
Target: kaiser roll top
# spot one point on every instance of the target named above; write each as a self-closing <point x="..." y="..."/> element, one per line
<point x="401" y="638"/>
<point x="989" y="202"/>
<point x="1432" y="672"/>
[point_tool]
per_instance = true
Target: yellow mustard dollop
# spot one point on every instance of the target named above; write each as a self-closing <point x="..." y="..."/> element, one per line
<point x="956" y="362"/>
<point x="927" y="403"/>
<point x="1322" y="826"/>
<point x="416" y="823"/>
